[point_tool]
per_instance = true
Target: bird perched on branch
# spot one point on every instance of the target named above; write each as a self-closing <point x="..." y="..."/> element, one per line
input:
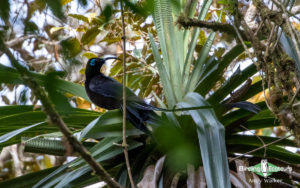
<point x="106" y="93"/>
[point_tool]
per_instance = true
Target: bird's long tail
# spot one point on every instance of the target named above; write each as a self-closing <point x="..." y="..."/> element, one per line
<point x="140" y="117"/>
<point x="140" y="113"/>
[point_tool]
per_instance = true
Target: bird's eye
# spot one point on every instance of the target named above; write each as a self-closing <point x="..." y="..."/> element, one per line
<point x="93" y="62"/>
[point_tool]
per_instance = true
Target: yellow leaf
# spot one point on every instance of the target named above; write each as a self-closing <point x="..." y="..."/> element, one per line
<point x="64" y="2"/>
<point x="202" y="38"/>
<point x="68" y="95"/>
<point x="83" y="104"/>
<point x="81" y="28"/>
<point x="296" y="25"/>
<point x="82" y="71"/>
<point x="47" y="162"/>
<point x="92" y="16"/>
<point x="89" y="55"/>
<point x="256" y="79"/>
<point x="259" y="97"/>
<point x="54" y="29"/>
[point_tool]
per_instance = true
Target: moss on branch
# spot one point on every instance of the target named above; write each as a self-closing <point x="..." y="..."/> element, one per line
<point x="215" y="26"/>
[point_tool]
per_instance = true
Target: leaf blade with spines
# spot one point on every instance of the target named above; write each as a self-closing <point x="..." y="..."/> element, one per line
<point x="165" y="30"/>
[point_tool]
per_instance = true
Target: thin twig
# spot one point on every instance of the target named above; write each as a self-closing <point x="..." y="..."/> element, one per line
<point x="261" y="140"/>
<point x="285" y="15"/>
<point x="258" y="28"/>
<point x="264" y="90"/>
<point x="124" y="144"/>
<point x="269" y="42"/>
<point x="266" y="145"/>
<point x="55" y="119"/>
<point x="294" y="97"/>
<point x="241" y="39"/>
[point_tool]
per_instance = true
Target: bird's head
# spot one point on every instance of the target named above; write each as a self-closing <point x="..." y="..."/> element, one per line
<point x="94" y="65"/>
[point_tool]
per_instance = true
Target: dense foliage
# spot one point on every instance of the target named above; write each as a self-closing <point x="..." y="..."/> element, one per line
<point x="180" y="54"/>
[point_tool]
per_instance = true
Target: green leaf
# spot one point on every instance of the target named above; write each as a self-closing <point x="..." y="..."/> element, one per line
<point x="107" y="12"/>
<point x="51" y="146"/>
<point x="56" y="8"/>
<point x="70" y="47"/>
<point x="14" y="109"/>
<point x="240" y="113"/>
<point x="210" y="80"/>
<point x="11" y="76"/>
<point x="17" y="117"/>
<point x="108" y="154"/>
<point x="168" y="90"/>
<point x="226" y="88"/>
<point x="195" y="34"/>
<point x="10" y="135"/>
<point x="102" y="151"/>
<point x="196" y="74"/>
<point x="253" y="90"/>
<point x="108" y="125"/>
<point x="90" y="35"/>
<point x="4" y="9"/>
<point x="233" y="82"/>
<point x="211" y="139"/>
<point x="253" y="140"/>
<point x="168" y="41"/>
<point x="79" y="17"/>
<point x="30" y="27"/>
<point x="28" y="180"/>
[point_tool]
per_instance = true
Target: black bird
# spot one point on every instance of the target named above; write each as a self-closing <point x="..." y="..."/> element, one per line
<point x="106" y="93"/>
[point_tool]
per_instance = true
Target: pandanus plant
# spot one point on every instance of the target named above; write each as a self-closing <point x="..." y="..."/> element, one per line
<point x="199" y="137"/>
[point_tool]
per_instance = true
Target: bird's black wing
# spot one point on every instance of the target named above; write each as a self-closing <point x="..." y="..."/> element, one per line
<point x="109" y="87"/>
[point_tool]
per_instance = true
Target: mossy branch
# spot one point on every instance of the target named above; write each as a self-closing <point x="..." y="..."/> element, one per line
<point x="215" y="26"/>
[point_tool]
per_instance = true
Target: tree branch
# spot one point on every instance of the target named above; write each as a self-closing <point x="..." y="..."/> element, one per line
<point x="124" y="144"/>
<point x="55" y="119"/>
<point x="215" y="26"/>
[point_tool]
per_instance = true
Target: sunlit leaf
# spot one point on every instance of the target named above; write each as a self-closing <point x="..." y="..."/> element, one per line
<point x="64" y="2"/>
<point x="89" y="55"/>
<point x="90" y="35"/>
<point x="79" y="17"/>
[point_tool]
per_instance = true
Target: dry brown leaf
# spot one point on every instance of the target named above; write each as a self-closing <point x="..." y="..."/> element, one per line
<point x="151" y="174"/>
<point x="195" y="178"/>
<point x="238" y="181"/>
